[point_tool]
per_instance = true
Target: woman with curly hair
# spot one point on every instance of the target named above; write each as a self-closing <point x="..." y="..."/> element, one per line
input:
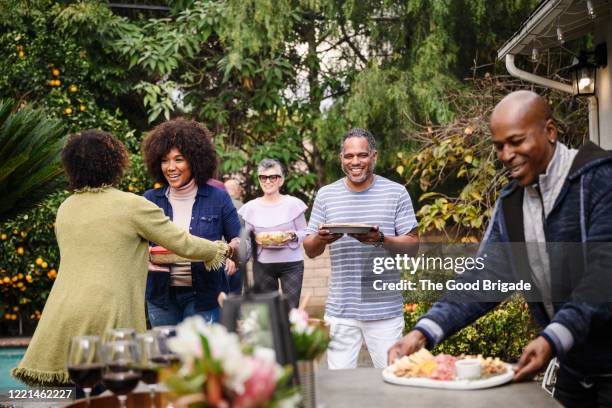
<point x="103" y="237"/>
<point x="180" y="154"/>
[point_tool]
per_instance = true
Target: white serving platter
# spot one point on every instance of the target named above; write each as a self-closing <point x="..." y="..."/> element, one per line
<point x="479" y="384"/>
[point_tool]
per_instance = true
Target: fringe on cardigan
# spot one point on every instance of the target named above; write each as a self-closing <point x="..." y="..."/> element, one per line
<point x="37" y="378"/>
<point x="219" y="258"/>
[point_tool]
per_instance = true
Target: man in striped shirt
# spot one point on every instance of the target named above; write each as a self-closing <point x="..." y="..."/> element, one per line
<point x="354" y="309"/>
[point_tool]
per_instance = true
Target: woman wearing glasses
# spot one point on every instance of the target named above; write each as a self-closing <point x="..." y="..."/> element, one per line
<point x="280" y="226"/>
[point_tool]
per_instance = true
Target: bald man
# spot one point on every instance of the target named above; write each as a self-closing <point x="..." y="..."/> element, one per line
<point x="560" y="203"/>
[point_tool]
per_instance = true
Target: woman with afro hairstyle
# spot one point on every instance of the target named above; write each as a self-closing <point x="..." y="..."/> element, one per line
<point x="103" y="236"/>
<point x="180" y="155"/>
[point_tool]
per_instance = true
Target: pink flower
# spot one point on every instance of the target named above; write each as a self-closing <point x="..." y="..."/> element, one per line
<point x="299" y="321"/>
<point x="298" y="315"/>
<point x="260" y="386"/>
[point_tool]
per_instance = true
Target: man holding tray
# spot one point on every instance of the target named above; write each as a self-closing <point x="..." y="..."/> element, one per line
<point x="554" y="226"/>
<point x="353" y="310"/>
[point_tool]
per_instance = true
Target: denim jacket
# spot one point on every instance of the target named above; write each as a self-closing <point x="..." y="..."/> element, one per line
<point x="580" y="332"/>
<point x="213" y="217"/>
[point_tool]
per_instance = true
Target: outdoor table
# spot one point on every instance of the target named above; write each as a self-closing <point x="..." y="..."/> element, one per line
<point x="364" y="387"/>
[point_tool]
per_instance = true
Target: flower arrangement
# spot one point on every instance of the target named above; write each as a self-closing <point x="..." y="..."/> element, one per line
<point x="219" y="371"/>
<point x="311" y="340"/>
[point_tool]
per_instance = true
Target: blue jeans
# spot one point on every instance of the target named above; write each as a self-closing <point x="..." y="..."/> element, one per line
<point x="180" y="306"/>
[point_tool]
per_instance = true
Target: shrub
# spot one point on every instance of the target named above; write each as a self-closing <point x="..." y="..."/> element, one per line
<point x="30" y="157"/>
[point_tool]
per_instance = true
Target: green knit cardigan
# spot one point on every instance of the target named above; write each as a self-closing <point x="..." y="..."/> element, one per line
<point x="103" y="237"/>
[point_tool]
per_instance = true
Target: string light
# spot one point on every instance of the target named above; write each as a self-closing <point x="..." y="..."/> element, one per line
<point x="560" y="34"/>
<point x="591" y="9"/>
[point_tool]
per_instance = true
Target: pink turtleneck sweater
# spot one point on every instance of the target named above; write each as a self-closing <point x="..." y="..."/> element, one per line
<point x="182" y="200"/>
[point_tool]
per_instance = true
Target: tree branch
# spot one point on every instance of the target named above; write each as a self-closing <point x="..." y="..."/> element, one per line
<point x="351" y="45"/>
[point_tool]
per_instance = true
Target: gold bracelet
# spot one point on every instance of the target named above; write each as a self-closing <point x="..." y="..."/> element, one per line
<point x="230" y="252"/>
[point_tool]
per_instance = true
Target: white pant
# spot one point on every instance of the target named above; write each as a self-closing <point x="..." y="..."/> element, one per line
<point x="348" y="334"/>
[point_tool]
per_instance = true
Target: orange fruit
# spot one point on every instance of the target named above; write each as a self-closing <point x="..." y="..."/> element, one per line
<point x="73" y="88"/>
<point x="68" y="111"/>
<point x="82" y="108"/>
<point x="55" y="72"/>
<point x="44" y="265"/>
<point x="38" y="261"/>
<point x="20" y="251"/>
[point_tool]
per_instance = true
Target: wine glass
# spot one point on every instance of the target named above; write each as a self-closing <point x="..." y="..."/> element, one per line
<point x="165" y="331"/>
<point x="85" y="362"/>
<point x="149" y="344"/>
<point x="166" y="357"/>
<point x="120" y="334"/>
<point x="121" y="373"/>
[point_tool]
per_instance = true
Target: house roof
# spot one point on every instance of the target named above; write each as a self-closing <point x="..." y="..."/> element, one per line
<point x="540" y="29"/>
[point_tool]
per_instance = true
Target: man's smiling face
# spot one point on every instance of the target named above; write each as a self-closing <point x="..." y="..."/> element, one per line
<point x="522" y="132"/>
<point x="357" y="160"/>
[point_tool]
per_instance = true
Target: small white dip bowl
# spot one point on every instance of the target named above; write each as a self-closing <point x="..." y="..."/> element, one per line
<point x="468" y="368"/>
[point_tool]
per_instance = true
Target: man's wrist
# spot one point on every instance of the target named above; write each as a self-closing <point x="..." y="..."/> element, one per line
<point x="381" y="239"/>
<point x="426" y="338"/>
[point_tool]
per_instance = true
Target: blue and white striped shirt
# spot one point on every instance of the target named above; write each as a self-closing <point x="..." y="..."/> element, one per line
<point x="386" y="204"/>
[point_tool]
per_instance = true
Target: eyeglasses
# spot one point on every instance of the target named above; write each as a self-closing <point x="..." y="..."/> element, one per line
<point x="272" y="178"/>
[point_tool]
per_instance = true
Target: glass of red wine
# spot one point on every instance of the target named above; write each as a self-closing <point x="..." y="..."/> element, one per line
<point x="121" y="372"/>
<point x="166" y="357"/>
<point x="150" y="351"/>
<point x="85" y="362"/>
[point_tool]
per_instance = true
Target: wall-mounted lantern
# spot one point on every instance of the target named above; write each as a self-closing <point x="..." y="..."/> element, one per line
<point x="584" y="75"/>
<point x="584" y="70"/>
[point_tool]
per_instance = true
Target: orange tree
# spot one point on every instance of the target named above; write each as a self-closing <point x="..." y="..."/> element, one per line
<point x="46" y="67"/>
